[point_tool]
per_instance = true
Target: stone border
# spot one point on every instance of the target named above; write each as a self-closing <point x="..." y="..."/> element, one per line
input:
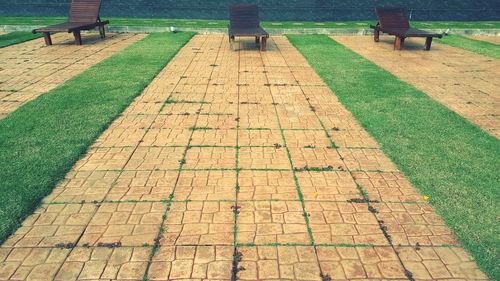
<point x="272" y="31"/>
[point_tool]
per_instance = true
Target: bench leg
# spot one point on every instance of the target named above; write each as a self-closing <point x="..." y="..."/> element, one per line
<point x="231" y="42"/>
<point x="376" y="35"/>
<point x="102" y="32"/>
<point x="263" y="46"/>
<point x="428" y="43"/>
<point x="257" y="39"/>
<point x="397" y="43"/>
<point x="78" y="37"/>
<point x="46" y="37"/>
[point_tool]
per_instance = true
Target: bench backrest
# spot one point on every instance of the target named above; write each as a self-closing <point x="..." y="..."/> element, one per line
<point x="84" y="11"/>
<point x="392" y="18"/>
<point x="244" y="16"/>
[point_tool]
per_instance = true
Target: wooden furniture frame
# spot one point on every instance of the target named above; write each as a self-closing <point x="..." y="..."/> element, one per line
<point x="244" y="22"/>
<point x="393" y="21"/>
<point x="84" y="15"/>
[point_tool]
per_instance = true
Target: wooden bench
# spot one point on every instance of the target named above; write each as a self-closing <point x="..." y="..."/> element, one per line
<point x="394" y="22"/>
<point x="84" y="15"/>
<point x="244" y="22"/>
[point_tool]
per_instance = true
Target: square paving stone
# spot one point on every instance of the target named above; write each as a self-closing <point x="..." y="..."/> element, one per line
<point x="210" y="158"/>
<point x="103" y="159"/>
<point x="31" y="263"/>
<point x="440" y="263"/>
<point x="409" y="224"/>
<point x="332" y="185"/>
<point x="387" y="186"/>
<point x="255" y="94"/>
<point x="260" y="137"/>
<point x="51" y="225"/>
<point x="215" y="137"/>
<point x="278" y="263"/>
<point x="141" y="107"/>
<point x="258" y="116"/>
<point x="199" y="223"/>
<point x="264" y="222"/>
<point x="174" y="122"/>
<point x="155" y="158"/>
<point x="228" y="98"/>
<point x="131" y="224"/>
<point x="267" y="185"/>
<point x="344" y="223"/>
<point x="350" y="263"/>
<point x="263" y="158"/>
<point x="101" y="263"/>
<point x="166" y="137"/>
<point x="143" y="185"/>
<point x="320" y="158"/>
<point x="137" y="122"/>
<point x="83" y="186"/>
<point x="366" y="160"/>
<point x="120" y="137"/>
<point x="206" y="185"/>
<point x="298" y="118"/>
<point x="192" y="262"/>
<point x="224" y="122"/>
<point x="181" y="108"/>
<point x="306" y="139"/>
<point x="219" y="108"/>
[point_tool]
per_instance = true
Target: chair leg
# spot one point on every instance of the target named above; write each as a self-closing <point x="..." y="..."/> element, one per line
<point x="102" y="32"/>
<point x="376" y="35"/>
<point x="397" y="43"/>
<point x="428" y="43"/>
<point x="48" y="40"/>
<point x="78" y="37"/>
<point x="263" y="46"/>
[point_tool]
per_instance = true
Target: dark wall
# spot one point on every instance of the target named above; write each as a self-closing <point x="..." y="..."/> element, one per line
<point x="279" y="10"/>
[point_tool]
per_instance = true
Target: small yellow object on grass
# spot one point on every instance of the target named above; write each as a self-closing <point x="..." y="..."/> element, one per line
<point x="426" y="197"/>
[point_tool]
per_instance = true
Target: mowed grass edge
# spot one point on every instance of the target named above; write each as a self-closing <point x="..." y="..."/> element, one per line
<point x="17" y="37"/>
<point x="442" y="154"/>
<point x="40" y="141"/>
<point x="475" y="46"/>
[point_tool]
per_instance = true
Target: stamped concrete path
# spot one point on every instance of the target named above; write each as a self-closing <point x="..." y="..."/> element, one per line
<point x="465" y="82"/>
<point x="235" y="165"/>
<point x="30" y="69"/>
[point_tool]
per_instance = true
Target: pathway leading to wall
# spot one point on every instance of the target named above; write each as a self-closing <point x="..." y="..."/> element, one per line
<point x="465" y="82"/>
<point x="30" y="69"/>
<point x="235" y="165"/>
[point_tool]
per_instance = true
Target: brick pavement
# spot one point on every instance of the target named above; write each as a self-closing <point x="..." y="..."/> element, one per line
<point x="465" y="82"/>
<point x="235" y="165"/>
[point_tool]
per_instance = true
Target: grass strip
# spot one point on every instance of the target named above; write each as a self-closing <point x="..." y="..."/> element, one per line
<point x="475" y="46"/>
<point x="442" y="154"/>
<point x="40" y="142"/>
<point x="17" y="37"/>
<point x="198" y="23"/>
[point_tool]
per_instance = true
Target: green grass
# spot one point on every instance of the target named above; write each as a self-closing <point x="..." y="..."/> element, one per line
<point x="155" y="22"/>
<point x="17" y="37"/>
<point x="40" y="141"/>
<point x="443" y="155"/>
<point x="476" y="46"/>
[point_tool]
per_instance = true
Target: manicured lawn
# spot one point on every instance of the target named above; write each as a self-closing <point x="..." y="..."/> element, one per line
<point x="476" y="46"/>
<point x="17" y="37"/>
<point x="443" y="155"/>
<point x="40" y="142"/>
<point x="223" y="23"/>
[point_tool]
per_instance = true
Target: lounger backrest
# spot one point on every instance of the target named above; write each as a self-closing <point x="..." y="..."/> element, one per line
<point x="392" y="18"/>
<point x="244" y="16"/>
<point x="84" y="11"/>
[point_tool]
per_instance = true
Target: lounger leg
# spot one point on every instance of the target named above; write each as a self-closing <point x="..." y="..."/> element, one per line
<point x="397" y="43"/>
<point x="263" y="46"/>
<point x="48" y="40"/>
<point x="428" y="42"/>
<point x="376" y="35"/>
<point x="231" y="42"/>
<point x="101" y="31"/>
<point x="78" y="37"/>
<point x="257" y="39"/>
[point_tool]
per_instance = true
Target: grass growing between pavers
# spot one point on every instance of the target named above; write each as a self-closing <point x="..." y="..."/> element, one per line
<point x="443" y="155"/>
<point x="199" y="23"/>
<point x="476" y="46"/>
<point x="17" y="37"/>
<point x="40" y="142"/>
